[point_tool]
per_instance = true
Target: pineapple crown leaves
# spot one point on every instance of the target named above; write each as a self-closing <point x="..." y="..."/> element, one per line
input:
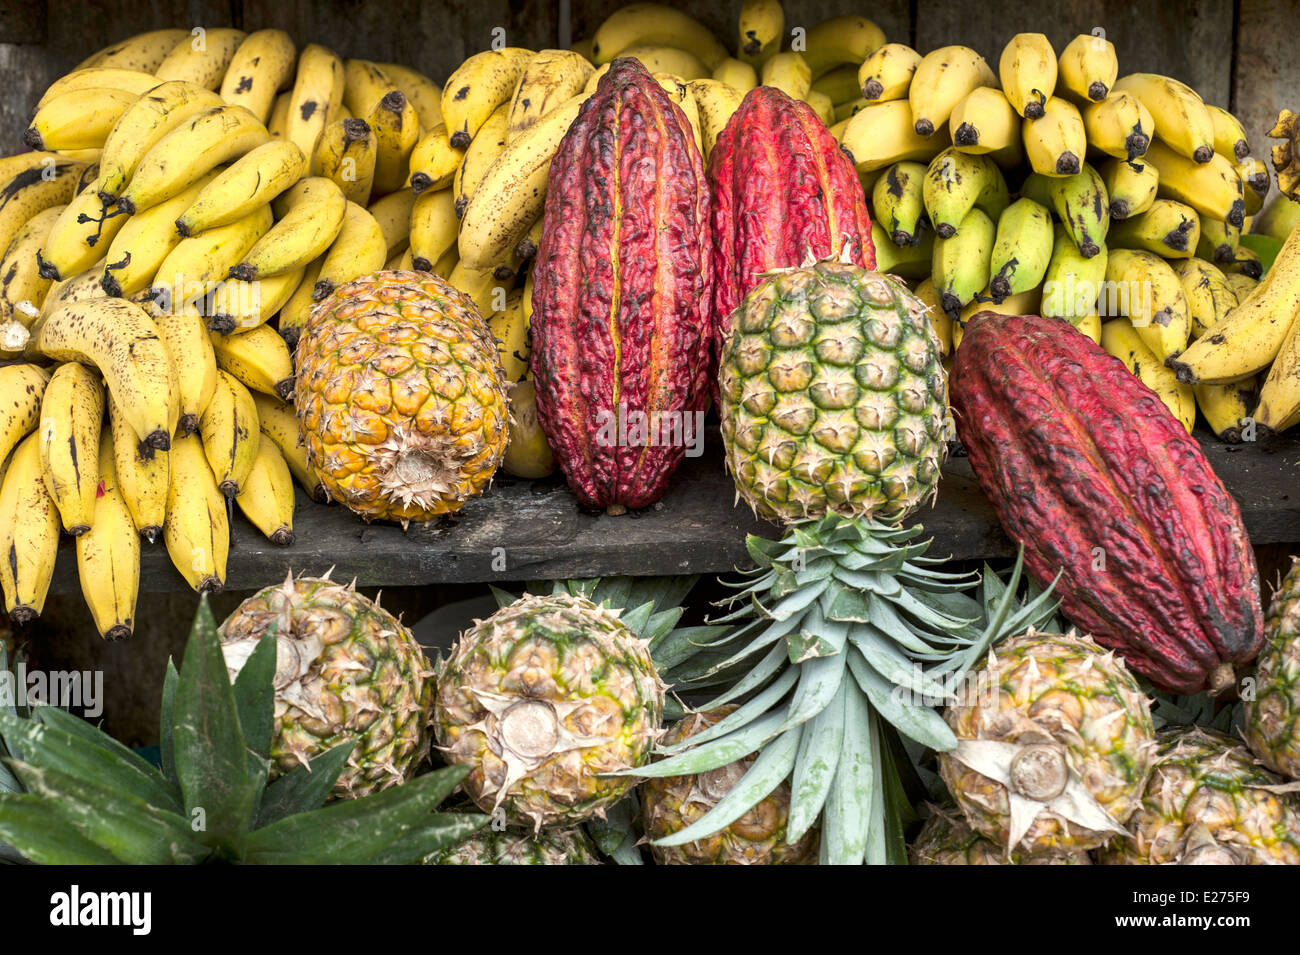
<point x="845" y="633"/>
<point x="210" y="800"/>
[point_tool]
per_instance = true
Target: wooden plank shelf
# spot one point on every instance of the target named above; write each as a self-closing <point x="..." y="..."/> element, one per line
<point x="535" y="529"/>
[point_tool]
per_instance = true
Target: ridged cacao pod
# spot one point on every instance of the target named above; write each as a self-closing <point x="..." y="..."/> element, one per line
<point x="1089" y="471"/>
<point x="622" y="294"/>
<point x="784" y="193"/>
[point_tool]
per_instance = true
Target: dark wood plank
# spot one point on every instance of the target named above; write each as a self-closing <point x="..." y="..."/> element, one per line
<point x="23" y="21"/>
<point x="1266" y="78"/>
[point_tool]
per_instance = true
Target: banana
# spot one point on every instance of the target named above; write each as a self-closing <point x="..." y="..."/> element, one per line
<point x="1279" y="219"/>
<point x="201" y="59"/>
<point x="761" y="25"/>
<point x="1169" y="229"/>
<point x="1218" y="242"/>
<point x="346" y="155"/>
<point x="397" y="129"/>
<point x="1027" y="70"/>
<point x="295" y="312"/>
<point x="197" y="531"/>
<point x="1082" y="204"/>
<point x="1119" y="126"/>
<point x="1255" y="178"/>
<point x="477" y="87"/>
<point x="236" y="306"/>
<point x="364" y="85"/>
<point x="1145" y="289"/>
<point x="1243" y="285"/>
<point x="81" y="119"/>
<point x="30" y="183"/>
<point x="1183" y="123"/>
<point x="425" y="95"/>
<point x="1120" y="339"/>
<point x="1090" y="326"/>
<point x="960" y="265"/>
<point x="142" y="475"/>
<point x="433" y="227"/>
<point x="434" y="161"/>
<point x="399" y="262"/>
<point x="29" y="535"/>
<point x="72" y="411"/>
<point x="513" y="192"/>
<point x="280" y="425"/>
<point x="734" y="73"/>
<point x="846" y="38"/>
<point x="943" y="78"/>
<point x="488" y="144"/>
<point x="393" y="213"/>
<point x="821" y="105"/>
<point x="483" y="286"/>
<point x="278" y="124"/>
<point x="229" y="431"/>
<point x="716" y="103"/>
<point x="22" y="287"/>
<point x="883" y="134"/>
<point x="1072" y="283"/>
<point x="448" y="264"/>
<point x="1279" y="398"/>
<point x="258" y="358"/>
<point x="108" y="554"/>
<point x="840" y="84"/>
<point x="267" y="495"/>
<point x="510" y="328"/>
<point x="1026" y="303"/>
<point x="1056" y="143"/>
<point x="1022" y="249"/>
<point x="984" y="122"/>
<point x="144" y="51"/>
<point x="642" y="24"/>
<point x="656" y="59"/>
<point x="78" y="239"/>
<point x="261" y="67"/>
<point x="680" y="94"/>
<point x="121" y="340"/>
<point x="311" y="214"/>
<point x="1131" y="187"/>
<point x="957" y="182"/>
<point x="143" y="125"/>
<point x="1209" y="296"/>
<point x="1286" y="154"/>
<point x="1212" y="188"/>
<point x="22" y="386"/>
<point x="1087" y="68"/>
<point x="317" y="96"/>
<point x="185" y="334"/>
<point x="906" y="261"/>
<point x="551" y="77"/>
<point x="190" y="150"/>
<point x="79" y="288"/>
<point x="1228" y="409"/>
<point x="359" y="250"/>
<point x="253" y="180"/>
<point x="1229" y="134"/>
<point x="130" y="81"/>
<point x="887" y="73"/>
<point x="144" y="242"/>
<point x="197" y="265"/>
<point x="939" y="320"/>
<point x="1247" y="262"/>
<point x="789" y="72"/>
<point x="898" y="202"/>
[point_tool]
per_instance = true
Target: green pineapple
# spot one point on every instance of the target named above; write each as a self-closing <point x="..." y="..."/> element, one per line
<point x="512" y="847"/>
<point x="346" y="669"/>
<point x="947" y="839"/>
<point x="1273" y="717"/>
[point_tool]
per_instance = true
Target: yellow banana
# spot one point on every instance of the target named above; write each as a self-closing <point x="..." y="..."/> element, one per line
<point x="477" y="87"/>
<point x="261" y="67"/>
<point x="943" y="79"/>
<point x="236" y="306"/>
<point x="1279" y="398"/>
<point x="1246" y="261"/>
<point x="1057" y="143"/>
<point x="656" y="59"/>
<point x="1229" y="409"/>
<point x="346" y="154"/>
<point x="446" y="265"/>
<point x="81" y="119"/>
<point x="1130" y="187"/>
<point x="108" y="554"/>
<point x="266" y="497"/>
<point x="550" y="78"/>
<point x="898" y="202"/>
<point x="316" y="98"/>
<point x="680" y="94"/>
<point x="483" y="286"/>
<point x="1169" y="229"/>
<point x="130" y="81"/>
<point x="530" y="243"/>
<point x="434" y="225"/>
<point x="840" y="85"/>
<point x="399" y="261"/>
<point x="185" y="334"/>
<point x="393" y="213"/>
<point x="434" y="161"/>
<point x="984" y="122"/>
<point x="1087" y="68"/>
<point x="1209" y="296"/>
<point x="72" y="411"/>
<point x="425" y="95"/>
<point x="142" y="475"/>
<point x="22" y="386"/>
<point x="258" y="358"/>
<point x="1229" y="134"/>
<point x="197" y="531"/>
<point x="1212" y="188"/>
<point x="280" y="425"/>
<point x="887" y="73"/>
<point x="883" y="134"/>
<point x="510" y="328"/>
<point x="488" y="144"/>
<point x="1256" y="180"/>
<point x="364" y="85"/>
<point x="1119" y="126"/>
<point x="202" y="58"/>
<point x="957" y="182"/>
<point x="734" y="73"/>
<point x="789" y="72"/>
<point x="78" y="239"/>
<point x="642" y="24"/>
<point x="30" y="183"/>
<point x="716" y="102"/>
<point x="22" y="287"/>
<point x="197" y="265"/>
<point x="1182" y="121"/>
<point x="1121" y="339"/>
<point x="1025" y="303"/>
<point x="143" y="125"/>
<point x="278" y="124"/>
<point x="1027" y="70"/>
<point x="1072" y="283"/>
<point x="121" y="340"/>
<point x="229" y="430"/>
<point x="29" y="534"/>
<point x="846" y="38"/>
<point x="1146" y="290"/>
<point x="80" y="288"/>
<point x="144" y="242"/>
<point x="1243" y="285"/>
<point x="144" y="51"/>
<point x="761" y="25"/>
<point x="397" y="129"/>
<point x="253" y="180"/>
<point x="359" y="250"/>
<point x="190" y="150"/>
<point x="311" y="214"/>
<point x="912" y="261"/>
<point x="295" y="312"/>
<point x="1219" y="242"/>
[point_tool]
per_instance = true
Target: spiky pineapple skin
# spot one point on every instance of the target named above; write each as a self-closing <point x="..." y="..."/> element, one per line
<point x="512" y="847"/>
<point x="1272" y="726"/>
<point x="559" y="655"/>
<point x="401" y="396"/>
<point x="1085" y="699"/>
<point x="1204" y="778"/>
<point x="947" y="839"/>
<point x="672" y="803"/>
<point x="832" y="396"/>
<point x="346" y="670"/>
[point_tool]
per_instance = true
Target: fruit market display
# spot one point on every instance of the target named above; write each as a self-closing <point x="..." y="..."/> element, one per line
<point x="230" y="264"/>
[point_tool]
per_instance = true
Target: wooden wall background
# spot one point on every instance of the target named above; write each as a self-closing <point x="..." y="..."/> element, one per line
<point x="1238" y="53"/>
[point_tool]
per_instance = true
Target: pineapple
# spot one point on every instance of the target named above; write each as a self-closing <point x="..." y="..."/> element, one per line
<point x="346" y="671"/>
<point x="1272" y="727"/>
<point x="1054" y="749"/>
<point x="401" y="397"/>
<point x="1208" y="803"/>
<point x="512" y="847"/>
<point x="947" y="839"/>
<point x="756" y="838"/>
<point x="541" y="701"/>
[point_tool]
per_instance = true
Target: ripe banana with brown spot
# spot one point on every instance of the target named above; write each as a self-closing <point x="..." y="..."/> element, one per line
<point x="1182" y="121"/>
<point x="197" y="531"/>
<point x="144" y="51"/>
<point x="22" y="386"/>
<point x="393" y="213"/>
<point x="1130" y="187"/>
<point x="346" y="155"/>
<point x="887" y="73"/>
<point x="364" y="84"/>
<point x="197" y="265"/>
<point x="477" y="87"/>
<point x="715" y="102"/>
<point x="130" y="81"/>
<point x="22" y="287"/>
<point x="202" y="58"/>
<point x="30" y="183"/>
<point x="642" y="24"/>
<point x="942" y="79"/>
<point x="72" y="410"/>
<point x="883" y="134"/>
<point x="229" y="430"/>
<point x="984" y="122"/>
<point x="1027" y="70"/>
<point x="80" y="236"/>
<point x="108" y="554"/>
<point x="29" y="534"/>
<point x="259" y="359"/>
<point x="434" y="161"/>
<point x="359" y="250"/>
<point x="1219" y="242"/>
<point x="1212" y="187"/>
<point x="280" y="425"/>
<point x="761" y="25"/>
<point x="1169" y="229"/>
<point x="434" y="227"/>
<point x="316" y="98"/>
<point x="253" y="180"/>
<point x="397" y="129"/>
<point x="1209" y="296"/>
<point x="236" y="306"/>
<point x="1056" y="143"/>
<point x="510" y="328"/>
<point x="530" y="243"/>
<point x="185" y="334"/>
<point x="1120" y="339"/>
<point x="267" y="495"/>
<point x="550" y="78"/>
<point x="311" y="214"/>
<point x="295" y="312"/>
<point x="425" y="95"/>
<point x="80" y="119"/>
<point x="1142" y="287"/>
<point x="1228" y="409"/>
<point x="120" y="339"/>
<point x="1119" y="126"/>
<point x="143" y="243"/>
<point x="1256" y="182"/>
<point x="1087" y="68"/>
<point x="261" y="67"/>
<point x="1229" y="135"/>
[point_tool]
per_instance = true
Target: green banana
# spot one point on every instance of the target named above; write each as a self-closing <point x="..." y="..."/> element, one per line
<point x="960" y="266"/>
<point x="1072" y="283"/>
<point x="898" y="201"/>
<point x="1082" y="204"/>
<point x="1021" y="250"/>
<point x="957" y="182"/>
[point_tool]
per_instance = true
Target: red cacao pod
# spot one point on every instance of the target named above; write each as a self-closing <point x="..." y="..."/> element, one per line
<point x="783" y="193"/>
<point x="622" y="294"/>
<point x="1089" y="471"/>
